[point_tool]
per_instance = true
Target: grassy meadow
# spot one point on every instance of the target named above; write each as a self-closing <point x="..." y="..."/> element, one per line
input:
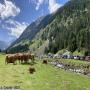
<point x="46" y="77"/>
<point x="72" y="61"/>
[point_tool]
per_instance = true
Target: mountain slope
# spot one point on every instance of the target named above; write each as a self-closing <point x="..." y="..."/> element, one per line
<point x="30" y="32"/>
<point x="34" y="27"/>
<point x="68" y="28"/>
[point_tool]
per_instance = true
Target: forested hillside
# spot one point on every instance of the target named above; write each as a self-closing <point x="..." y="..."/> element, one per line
<point x="68" y="28"/>
<point x="71" y="27"/>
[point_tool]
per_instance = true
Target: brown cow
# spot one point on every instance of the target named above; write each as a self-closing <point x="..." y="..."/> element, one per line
<point x="32" y="57"/>
<point x="10" y="59"/>
<point x="21" y="57"/>
<point x="25" y="58"/>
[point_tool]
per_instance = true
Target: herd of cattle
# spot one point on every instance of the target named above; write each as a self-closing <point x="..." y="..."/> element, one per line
<point x="21" y="57"/>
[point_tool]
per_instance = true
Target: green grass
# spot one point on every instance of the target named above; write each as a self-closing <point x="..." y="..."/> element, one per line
<point x="61" y="51"/>
<point x="46" y="77"/>
<point x="81" y="53"/>
<point x="77" y="62"/>
<point x="72" y="61"/>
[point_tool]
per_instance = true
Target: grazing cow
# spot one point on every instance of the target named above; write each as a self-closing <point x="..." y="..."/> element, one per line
<point x="10" y="59"/>
<point x="21" y="57"/>
<point x="25" y="57"/>
<point x="31" y="56"/>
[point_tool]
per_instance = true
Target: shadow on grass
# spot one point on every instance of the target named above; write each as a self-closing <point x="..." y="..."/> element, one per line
<point x="29" y="63"/>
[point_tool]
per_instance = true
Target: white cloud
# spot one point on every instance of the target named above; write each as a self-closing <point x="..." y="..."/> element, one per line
<point x="8" y="9"/>
<point x="53" y="6"/>
<point x="16" y="27"/>
<point x="39" y="2"/>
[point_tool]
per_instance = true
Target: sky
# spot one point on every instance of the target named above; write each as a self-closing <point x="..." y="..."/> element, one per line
<point x="16" y="15"/>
